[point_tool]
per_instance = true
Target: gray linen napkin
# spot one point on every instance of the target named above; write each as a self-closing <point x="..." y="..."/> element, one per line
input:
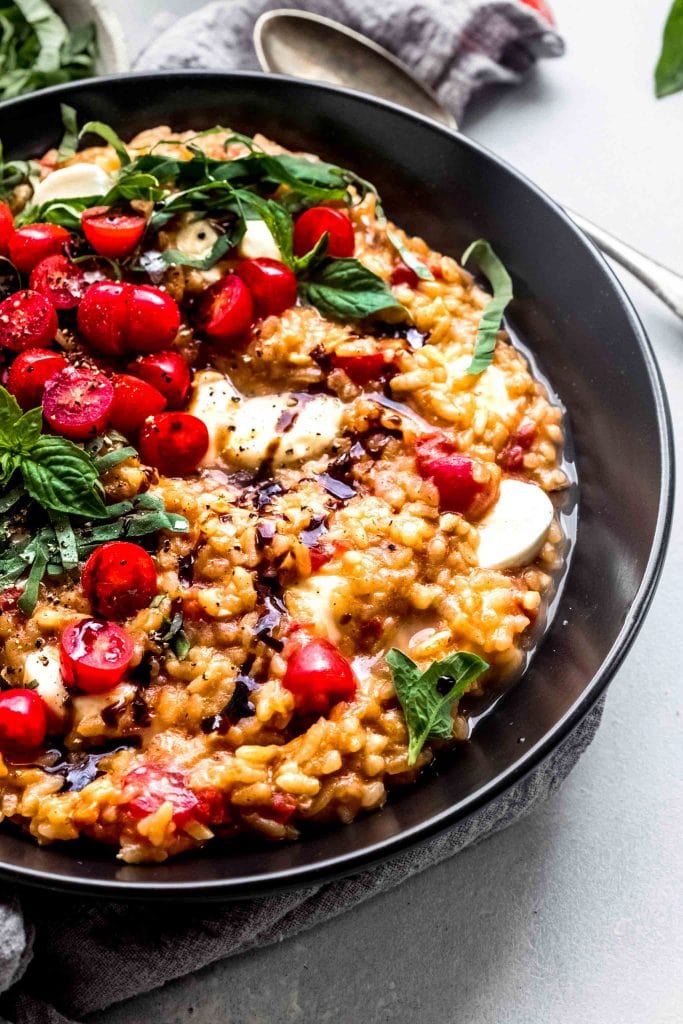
<point x="454" y="46"/>
<point x="71" y="957"/>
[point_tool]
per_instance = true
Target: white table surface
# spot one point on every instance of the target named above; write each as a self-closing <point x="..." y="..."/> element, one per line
<point x="573" y="916"/>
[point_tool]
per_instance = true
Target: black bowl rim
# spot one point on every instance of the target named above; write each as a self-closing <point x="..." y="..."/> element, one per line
<point x="350" y="863"/>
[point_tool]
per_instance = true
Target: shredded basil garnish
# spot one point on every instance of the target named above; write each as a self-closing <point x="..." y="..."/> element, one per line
<point x="492" y="315"/>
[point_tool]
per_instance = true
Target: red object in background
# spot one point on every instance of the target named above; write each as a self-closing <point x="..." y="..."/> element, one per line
<point x="119" y="579"/>
<point x="542" y="7"/>
<point x="77" y="403"/>
<point x="23" y="720"/>
<point x="112" y="234"/>
<point x="6" y="228"/>
<point x="94" y="655"/>
<point x="29" y="373"/>
<point x="134" y="401"/>
<point x="27" y="320"/>
<point x="35" y="242"/>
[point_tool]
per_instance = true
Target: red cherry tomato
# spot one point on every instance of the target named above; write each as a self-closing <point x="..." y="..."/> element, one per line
<point x="403" y="274"/>
<point x="29" y="373"/>
<point x="119" y="579"/>
<point x="312" y="225"/>
<point x="542" y="8"/>
<point x="361" y="368"/>
<point x="226" y="310"/>
<point x="318" y="675"/>
<point x="6" y="228"/>
<point x="460" y="490"/>
<point x="94" y="656"/>
<point x="115" y="317"/>
<point x="173" y="442"/>
<point x="77" y="402"/>
<point x="112" y="234"/>
<point x="134" y="401"/>
<point x="27" y="320"/>
<point x="35" y="242"/>
<point x="271" y="283"/>
<point x="511" y="457"/>
<point x="60" y="281"/>
<point x="152" y="785"/>
<point x="168" y="373"/>
<point x="23" y="720"/>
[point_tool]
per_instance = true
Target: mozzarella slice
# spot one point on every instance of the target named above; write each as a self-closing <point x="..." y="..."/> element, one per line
<point x="318" y="600"/>
<point x="489" y="388"/>
<point x="72" y="182"/>
<point x="513" y="531"/>
<point x="42" y="667"/>
<point x="283" y="429"/>
<point x="258" y="241"/>
<point x="196" y="238"/>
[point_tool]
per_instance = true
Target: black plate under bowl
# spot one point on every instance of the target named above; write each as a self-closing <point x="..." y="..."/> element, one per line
<point x="570" y="311"/>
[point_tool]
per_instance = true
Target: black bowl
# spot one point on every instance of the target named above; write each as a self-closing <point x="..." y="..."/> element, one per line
<point x="573" y="315"/>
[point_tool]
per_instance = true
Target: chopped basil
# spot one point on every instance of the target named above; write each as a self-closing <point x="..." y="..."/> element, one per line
<point x="346" y="290"/>
<point x="669" y="70"/>
<point x="67" y="147"/>
<point x="174" y="257"/>
<point x="107" y="133"/>
<point x="492" y="315"/>
<point x="409" y="258"/>
<point x="427" y="698"/>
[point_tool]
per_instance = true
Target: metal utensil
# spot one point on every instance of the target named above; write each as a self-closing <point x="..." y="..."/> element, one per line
<point x="304" y="45"/>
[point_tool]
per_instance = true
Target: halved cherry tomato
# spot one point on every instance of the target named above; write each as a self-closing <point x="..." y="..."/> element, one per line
<point x="115" y="317"/>
<point x="112" y="234"/>
<point x="173" y="442"/>
<point x="94" y="655"/>
<point x="35" y="242"/>
<point x="29" y="373"/>
<point x="77" y="402"/>
<point x="167" y="372"/>
<point x="119" y="579"/>
<point x="60" y="281"/>
<point x="361" y="368"/>
<point x="226" y="310"/>
<point x="403" y="274"/>
<point x="318" y="675"/>
<point x="152" y="785"/>
<point x="464" y="486"/>
<point x="134" y="401"/>
<point x="27" y="320"/>
<point x="312" y="225"/>
<point x="271" y="283"/>
<point x="23" y="720"/>
<point x="6" y="228"/>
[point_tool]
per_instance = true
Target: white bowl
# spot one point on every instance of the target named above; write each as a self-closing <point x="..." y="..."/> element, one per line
<point x="113" y="51"/>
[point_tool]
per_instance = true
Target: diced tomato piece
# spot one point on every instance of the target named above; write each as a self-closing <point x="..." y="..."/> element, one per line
<point x="318" y="675"/>
<point x="282" y="808"/>
<point x="403" y="274"/>
<point x="154" y="785"/>
<point x="460" y="488"/>
<point x="361" y="368"/>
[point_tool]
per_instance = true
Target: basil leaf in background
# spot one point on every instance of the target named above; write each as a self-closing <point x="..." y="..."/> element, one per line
<point x="112" y="458"/>
<point x="427" y="698"/>
<point x="107" y="133"/>
<point x="133" y="186"/>
<point x="180" y="645"/>
<point x="28" y="599"/>
<point x="409" y="258"/>
<point x="61" y="476"/>
<point x="223" y="244"/>
<point x="67" y="147"/>
<point x="346" y="290"/>
<point x="50" y="31"/>
<point x="66" y="540"/>
<point x="10" y="414"/>
<point x="9" y="464"/>
<point x="669" y="70"/>
<point x="492" y="315"/>
<point x="27" y="429"/>
<point x="302" y="265"/>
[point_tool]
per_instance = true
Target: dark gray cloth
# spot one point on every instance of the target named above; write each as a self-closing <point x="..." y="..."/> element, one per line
<point x="66" y="956"/>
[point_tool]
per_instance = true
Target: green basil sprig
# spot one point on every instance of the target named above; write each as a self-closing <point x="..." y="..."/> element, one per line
<point x="492" y="316"/>
<point x="669" y="70"/>
<point x="428" y="697"/>
<point x="344" y="289"/>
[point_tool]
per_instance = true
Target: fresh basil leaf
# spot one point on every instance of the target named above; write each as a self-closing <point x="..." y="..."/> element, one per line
<point x="181" y="645"/>
<point x="113" y="458"/>
<point x="11" y="498"/>
<point x="492" y="315"/>
<point x="302" y="265"/>
<point x="61" y="476"/>
<point x="50" y="30"/>
<point x="223" y="244"/>
<point x="29" y="597"/>
<point x="107" y="133"/>
<point x="10" y="415"/>
<point x="67" y="147"/>
<point x="277" y="219"/>
<point x="427" y="698"/>
<point x="27" y="429"/>
<point x="9" y="463"/>
<point x="346" y="290"/>
<point x="66" y="541"/>
<point x="130" y="186"/>
<point x="409" y="258"/>
<point x="669" y="70"/>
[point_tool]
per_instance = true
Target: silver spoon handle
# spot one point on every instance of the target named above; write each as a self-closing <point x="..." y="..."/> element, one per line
<point x="663" y="282"/>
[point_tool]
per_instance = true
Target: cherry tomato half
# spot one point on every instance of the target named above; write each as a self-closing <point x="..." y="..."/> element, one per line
<point x="60" y="281"/>
<point x="77" y="402"/>
<point x="153" y="319"/>
<point x="134" y="401"/>
<point x="173" y="442"/>
<point x="318" y="675"/>
<point x="465" y="486"/>
<point x="152" y="785"/>
<point x="271" y="283"/>
<point x="115" y="317"/>
<point x="29" y="373"/>
<point x="6" y="228"/>
<point x="35" y="242"/>
<point x="27" y="320"/>
<point x="361" y="368"/>
<point x="168" y="373"/>
<point x="119" y="579"/>
<point x="226" y="310"/>
<point x="23" y="720"/>
<point x="312" y="225"/>
<point x="112" y="234"/>
<point x="94" y="655"/>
